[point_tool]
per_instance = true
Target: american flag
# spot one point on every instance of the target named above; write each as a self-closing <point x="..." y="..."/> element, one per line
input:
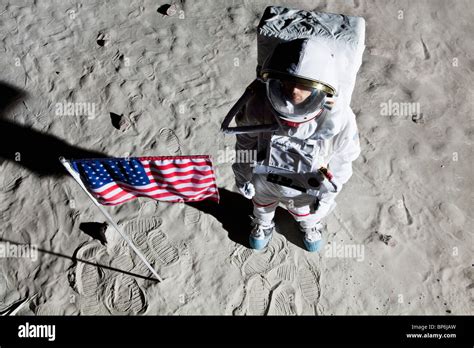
<point x="114" y="181"/>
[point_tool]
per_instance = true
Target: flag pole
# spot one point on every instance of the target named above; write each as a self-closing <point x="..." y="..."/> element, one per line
<point x="76" y="177"/>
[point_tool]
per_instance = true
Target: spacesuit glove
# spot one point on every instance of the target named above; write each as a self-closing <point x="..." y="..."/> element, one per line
<point x="247" y="190"/>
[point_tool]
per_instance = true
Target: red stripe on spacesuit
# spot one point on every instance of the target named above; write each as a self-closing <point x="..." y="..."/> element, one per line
<point x="297" y="124"/>
<point x="299" y="215"/>
<point x="262" y="205"/>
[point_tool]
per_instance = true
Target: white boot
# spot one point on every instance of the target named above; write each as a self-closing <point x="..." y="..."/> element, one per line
<point x="312" y="237"/>
<point x="261" y="234"/>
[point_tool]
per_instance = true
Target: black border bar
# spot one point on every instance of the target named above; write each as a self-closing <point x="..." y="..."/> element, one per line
<point x="225" y="330"/>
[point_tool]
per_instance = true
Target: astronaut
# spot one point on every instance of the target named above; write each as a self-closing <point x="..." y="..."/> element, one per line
<point x="297" y="90"/>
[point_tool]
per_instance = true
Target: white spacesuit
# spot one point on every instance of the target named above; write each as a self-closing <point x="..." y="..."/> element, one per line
<point x="311" y="135"/>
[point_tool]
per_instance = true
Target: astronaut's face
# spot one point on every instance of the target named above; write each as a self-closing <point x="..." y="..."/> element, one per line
<point x="296" y="93"/>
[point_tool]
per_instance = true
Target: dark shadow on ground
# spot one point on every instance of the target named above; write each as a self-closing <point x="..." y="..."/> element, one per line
<point x="34" y="150"/>
<point x="232" y="212"/>
<point x="96" y="230"/>
<point x="288" y="227"/>
<point x="163" y="9"/>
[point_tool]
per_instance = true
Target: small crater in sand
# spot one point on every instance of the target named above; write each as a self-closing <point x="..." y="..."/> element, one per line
<point x="120" y="122"/>
<point x="387" y="239"/>
<point x="418" y="118"/>
<point x="102" y="39"/>
<point x="167" y="9"/>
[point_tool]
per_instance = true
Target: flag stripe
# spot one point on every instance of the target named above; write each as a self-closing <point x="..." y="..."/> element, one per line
<point x="173" y="169"/>
<point x="173" y="179"/>
<point x="154" y="179"/>
<point x="164" y="196"/>
<point x="214" y="197"/>
<point x="171" y="165"/>
<point x="180" y="172"/>
<point x="155" y="185"/>
<point x="168" y="178"/>
<point x="117" y="190"/>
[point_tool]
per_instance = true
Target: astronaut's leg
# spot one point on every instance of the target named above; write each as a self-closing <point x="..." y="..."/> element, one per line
<point x="303" y="216"/>
<point x="264" y="209"/>
<point x="309" y="221"/>
<point x="265" y="203"/>
<point x="307" y="214"/>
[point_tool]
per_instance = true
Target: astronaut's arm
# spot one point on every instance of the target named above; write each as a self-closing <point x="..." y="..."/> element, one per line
<point x="243" y="170"/>
<point x="340" y="164"/>
<point x="247" y="143"/>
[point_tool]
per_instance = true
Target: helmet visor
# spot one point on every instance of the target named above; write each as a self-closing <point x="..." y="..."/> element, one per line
<point x="293" y="101"/>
